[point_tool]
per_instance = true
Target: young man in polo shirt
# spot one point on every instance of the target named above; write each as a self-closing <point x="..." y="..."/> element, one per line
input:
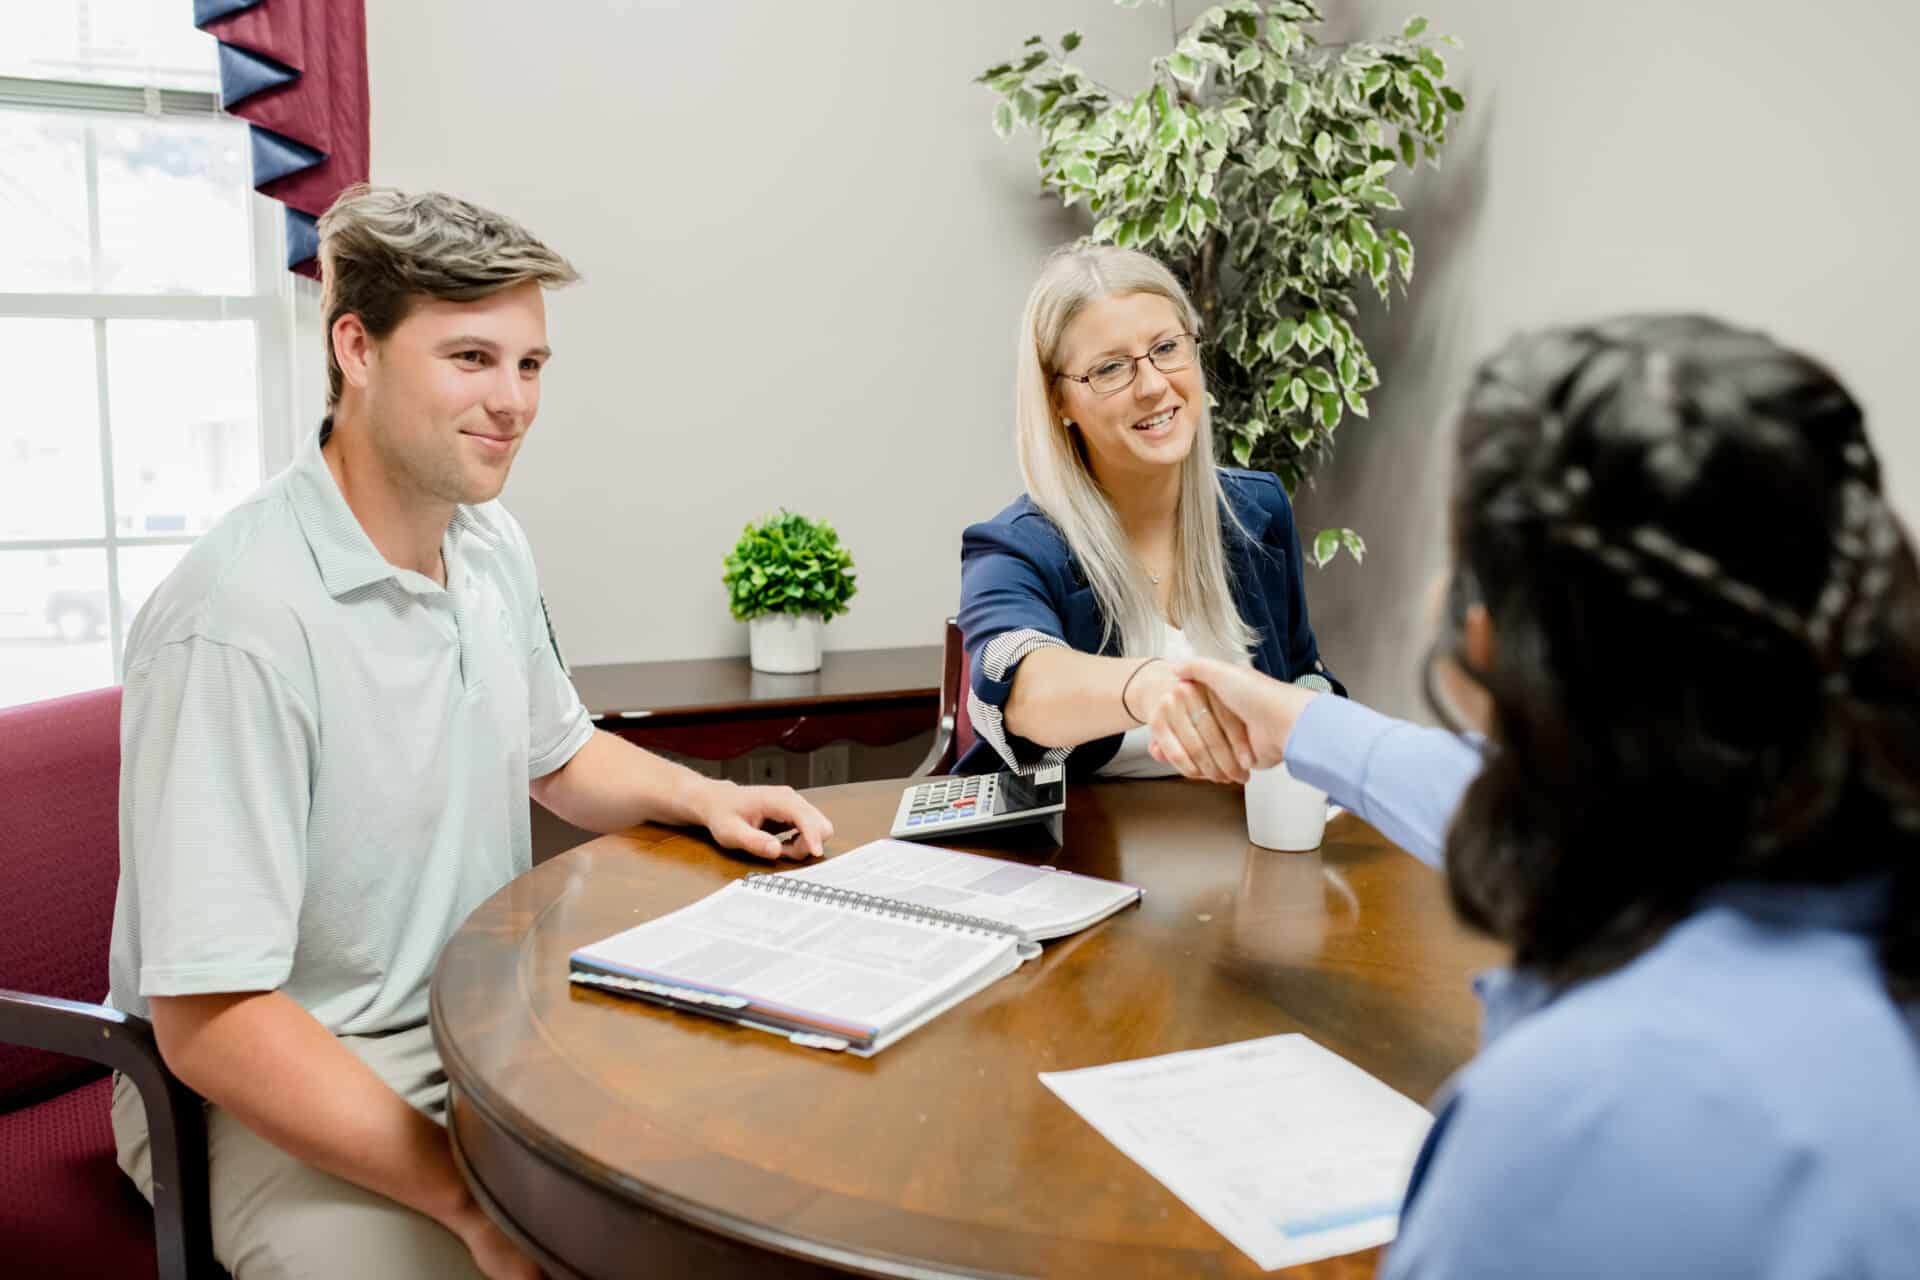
<point x="335" y="710"/>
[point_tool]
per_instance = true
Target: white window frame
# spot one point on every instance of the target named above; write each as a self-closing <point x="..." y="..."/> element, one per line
<point x="271" y="308"/>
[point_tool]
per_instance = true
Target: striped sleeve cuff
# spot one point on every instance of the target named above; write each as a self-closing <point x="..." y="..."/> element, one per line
<point x="997" y="661"/>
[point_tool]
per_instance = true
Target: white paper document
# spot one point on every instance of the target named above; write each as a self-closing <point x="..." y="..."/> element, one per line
<point x="1285" y="1148"/>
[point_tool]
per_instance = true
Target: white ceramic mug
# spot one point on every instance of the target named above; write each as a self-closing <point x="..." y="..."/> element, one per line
<point x="1284" y="812"/>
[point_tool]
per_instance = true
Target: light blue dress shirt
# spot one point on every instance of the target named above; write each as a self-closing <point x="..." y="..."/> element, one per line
<point x="1742" y="1100"/>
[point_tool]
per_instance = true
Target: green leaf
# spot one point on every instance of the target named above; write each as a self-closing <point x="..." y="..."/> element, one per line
<point x="1342" y="254"/>
<point x="1298" y="99"/>
<point x="1196" y="219"/>
<point x="1183" y="67"/>
<point x="1317" y="377"/>
<point x="1323" y="146"/>
<point x="1300" y="394"/>
<point x="1003" y="119"/>
<point x="1349" y="369"/>
<point x="1407" y="156"/>
<point x="1302" y="436"/>
<point x="1355" y="546"/>
<point x="1356" y="404"/>
<point x="1451" y="96"/>
<point x="1286" y="205"/>
<point x="1413" y="29"/>
<point x="1376" y="80"/>
<point x="1326" y="407"/>
<point x="1243" y="451"/>
<point x="1105" y="228"/>
<point x="1173" y="215"/>
<point x="1246" y="60"/>
<point x="1279" y="336"/>
<point x="1322" y="324"/>
<point x="1070" y="41"/>
<point x="1265" y="158"/>
<point x="1404" y="247"/>
<point x="1326" y="545"/>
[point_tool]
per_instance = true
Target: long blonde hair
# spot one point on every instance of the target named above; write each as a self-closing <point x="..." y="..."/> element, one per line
<point x="1059" y="480"/>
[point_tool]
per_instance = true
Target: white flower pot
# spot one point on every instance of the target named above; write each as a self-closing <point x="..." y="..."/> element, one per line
<point x="785" y="642"/>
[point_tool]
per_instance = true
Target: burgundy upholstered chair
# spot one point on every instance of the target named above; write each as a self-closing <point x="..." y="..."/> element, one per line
<point x="65" y="1207"/>
<point x="953" y="735"/>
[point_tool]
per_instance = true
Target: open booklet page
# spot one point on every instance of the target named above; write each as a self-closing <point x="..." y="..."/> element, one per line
<point x="1039" y="901"/>
<point x="847" y="973"/>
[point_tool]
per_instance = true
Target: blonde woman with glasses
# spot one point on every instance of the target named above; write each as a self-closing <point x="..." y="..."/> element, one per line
<point x="1130" y="551"/>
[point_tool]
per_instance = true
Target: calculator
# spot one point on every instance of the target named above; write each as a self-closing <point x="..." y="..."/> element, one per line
<point x="943" y="807"/>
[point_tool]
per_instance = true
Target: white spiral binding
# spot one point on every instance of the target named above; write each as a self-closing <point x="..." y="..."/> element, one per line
<point x="874" y="904"/>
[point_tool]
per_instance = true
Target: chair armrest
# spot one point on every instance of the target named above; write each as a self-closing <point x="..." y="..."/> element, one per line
<point x="938" y="758"/>
<point x="176" y="1120"/>
<point x="953" y="667"/>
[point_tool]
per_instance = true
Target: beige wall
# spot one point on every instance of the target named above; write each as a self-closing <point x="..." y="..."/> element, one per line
<point x="1745" y="157"/>
<point x="805" y="250"/>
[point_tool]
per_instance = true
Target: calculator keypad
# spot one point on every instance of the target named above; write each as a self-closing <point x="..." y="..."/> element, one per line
<point x="952" y="800"/>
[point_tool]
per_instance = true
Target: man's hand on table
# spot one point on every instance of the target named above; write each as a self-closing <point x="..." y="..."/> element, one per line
<point x="735" y="816"/>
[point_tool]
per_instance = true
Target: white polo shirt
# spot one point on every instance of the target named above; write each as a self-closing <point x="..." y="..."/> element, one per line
<point x="325" y="758"/>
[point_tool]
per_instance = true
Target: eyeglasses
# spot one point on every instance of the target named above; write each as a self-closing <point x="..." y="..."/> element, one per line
<point x="1115" y="374"/>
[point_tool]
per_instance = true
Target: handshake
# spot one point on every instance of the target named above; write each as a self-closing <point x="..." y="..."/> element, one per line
<point x="1217" y="721"/>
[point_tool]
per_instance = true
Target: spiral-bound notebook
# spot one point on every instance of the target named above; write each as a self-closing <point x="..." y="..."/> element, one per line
<point x="854" y="952"/>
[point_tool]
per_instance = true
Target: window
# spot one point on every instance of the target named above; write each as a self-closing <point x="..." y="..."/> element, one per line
<point x="145" y="327"/>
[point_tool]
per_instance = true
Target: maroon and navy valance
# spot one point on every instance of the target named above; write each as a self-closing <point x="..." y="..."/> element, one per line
<point x="296" y="71"/>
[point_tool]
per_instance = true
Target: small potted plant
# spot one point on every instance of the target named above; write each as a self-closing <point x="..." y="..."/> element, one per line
<point x="785" y="578"/>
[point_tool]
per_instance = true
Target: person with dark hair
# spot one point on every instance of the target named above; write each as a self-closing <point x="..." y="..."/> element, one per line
<point x="1705" y="1060"/>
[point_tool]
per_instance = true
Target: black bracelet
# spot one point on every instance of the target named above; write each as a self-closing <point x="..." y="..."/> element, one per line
<point x="1129" y="684"/>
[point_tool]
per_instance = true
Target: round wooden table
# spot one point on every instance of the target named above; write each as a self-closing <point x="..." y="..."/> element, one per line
<point x="616" y="1138"/>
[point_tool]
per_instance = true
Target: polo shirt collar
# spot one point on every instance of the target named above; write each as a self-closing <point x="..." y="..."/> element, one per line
<point x="346" y="556"/>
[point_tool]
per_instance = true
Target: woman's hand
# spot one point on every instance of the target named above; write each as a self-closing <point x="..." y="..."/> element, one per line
<point x="1192" y="730"/>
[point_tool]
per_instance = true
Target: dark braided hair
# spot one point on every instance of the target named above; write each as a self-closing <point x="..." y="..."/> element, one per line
<point x="1707" y="641"/>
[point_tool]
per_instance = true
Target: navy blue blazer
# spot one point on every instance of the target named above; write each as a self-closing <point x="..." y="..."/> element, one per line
<point x="1021" y="589"/>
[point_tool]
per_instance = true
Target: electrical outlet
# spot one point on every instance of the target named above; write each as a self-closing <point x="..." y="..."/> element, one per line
<point x="769" y="770"/>
<point x="828" y="766"/>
